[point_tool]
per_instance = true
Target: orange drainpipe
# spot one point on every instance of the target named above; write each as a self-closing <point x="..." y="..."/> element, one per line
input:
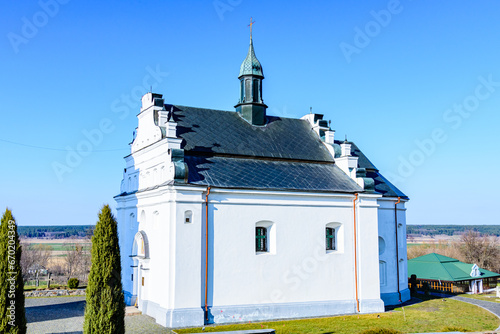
<point x="206" y="250"/>
<point x="397" y="243"/>
<point x="355" y="252"/>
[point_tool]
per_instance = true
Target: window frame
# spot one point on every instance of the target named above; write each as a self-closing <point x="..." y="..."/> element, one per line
<point x="261" y="239"/>
<point x="331" y="242"/>
<point x="337" y="236"/>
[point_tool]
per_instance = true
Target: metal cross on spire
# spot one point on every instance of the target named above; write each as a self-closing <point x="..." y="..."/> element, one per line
<point x="250" y="25"/>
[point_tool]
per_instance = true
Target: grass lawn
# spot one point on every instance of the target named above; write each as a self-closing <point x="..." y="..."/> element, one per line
<point x="433" y="315"/>
<point x="43" y="285"/>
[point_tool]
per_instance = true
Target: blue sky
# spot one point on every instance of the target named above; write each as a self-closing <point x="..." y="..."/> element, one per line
<point x="416" y="84"/>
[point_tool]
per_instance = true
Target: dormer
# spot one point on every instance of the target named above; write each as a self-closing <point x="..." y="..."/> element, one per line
<point x="320" y="126"/>
<point x="346" y="161"/>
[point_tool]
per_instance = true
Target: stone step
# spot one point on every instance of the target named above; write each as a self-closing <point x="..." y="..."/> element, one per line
<point x="132" y="310"/>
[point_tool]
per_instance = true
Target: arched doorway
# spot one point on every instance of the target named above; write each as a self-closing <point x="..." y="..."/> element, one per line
<point x="140" y="256"/>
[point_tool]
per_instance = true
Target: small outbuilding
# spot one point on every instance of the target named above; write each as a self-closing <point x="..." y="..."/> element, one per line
<point x="447" y="274"/>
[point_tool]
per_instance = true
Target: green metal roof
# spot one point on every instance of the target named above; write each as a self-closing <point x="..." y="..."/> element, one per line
<point x="251" y="65"/>
<point x="439" y="267"/>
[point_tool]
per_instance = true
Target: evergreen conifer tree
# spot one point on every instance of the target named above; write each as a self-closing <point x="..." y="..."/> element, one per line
<point x="105" y="309"/>
<point x="13" y="318"/>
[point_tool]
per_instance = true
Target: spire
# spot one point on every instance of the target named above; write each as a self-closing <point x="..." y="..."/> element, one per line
<point x="250" y="25"/>
<point x="250" y="105"/>
<point x="251" y="65"/>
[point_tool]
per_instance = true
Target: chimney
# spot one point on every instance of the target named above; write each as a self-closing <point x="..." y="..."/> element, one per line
<point x="346" y="149"/>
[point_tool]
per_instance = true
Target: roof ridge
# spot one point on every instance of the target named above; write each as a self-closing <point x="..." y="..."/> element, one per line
<point x="231" y="111"/>
<point x="256" y="157"/>
<point x="444" y="267"/>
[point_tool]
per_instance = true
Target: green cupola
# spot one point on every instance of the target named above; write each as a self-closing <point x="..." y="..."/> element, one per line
<point x="250" y="105"/>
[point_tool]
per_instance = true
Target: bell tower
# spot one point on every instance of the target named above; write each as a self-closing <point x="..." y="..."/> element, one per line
<point x="251" y="105"/>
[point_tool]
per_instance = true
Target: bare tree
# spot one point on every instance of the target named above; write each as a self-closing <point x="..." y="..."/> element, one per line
<point x="34" y="256"/>
<point x="85" y="263"/>
<point x="73" y="259"/>
<point x="446" y="248"/>
<point x="481" y="250"/>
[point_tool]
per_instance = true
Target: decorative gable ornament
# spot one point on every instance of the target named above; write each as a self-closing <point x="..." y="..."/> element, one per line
<point x="475" y="271"/>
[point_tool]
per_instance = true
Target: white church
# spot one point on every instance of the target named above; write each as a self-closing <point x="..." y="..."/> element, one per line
<point x="237" y="216"/>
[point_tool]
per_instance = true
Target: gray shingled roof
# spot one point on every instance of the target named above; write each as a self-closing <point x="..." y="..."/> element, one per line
<point x="382" y="185"/>
<point x="226" y="132"/>
<point x="226" y="172"/>
<point x="224" y="150"/>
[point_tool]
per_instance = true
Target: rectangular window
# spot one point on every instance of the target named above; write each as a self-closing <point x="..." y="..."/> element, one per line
<point x="330" y="238"/>
<point x="242" y="93"/>
<point x="143" y="281"/>
<point x="255" y="92"/>
<point x="260" y="239"/>
<point x="248" y="90"/>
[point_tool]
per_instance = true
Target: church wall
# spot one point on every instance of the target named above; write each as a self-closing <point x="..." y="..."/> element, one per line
<point x="367" y="228"/>
<point x="298" y="274"/>
<point x="127" y="227"/>
<point x="172" y="288"/>
<point x="389" y="290"/>
<point x="188" y="250"/>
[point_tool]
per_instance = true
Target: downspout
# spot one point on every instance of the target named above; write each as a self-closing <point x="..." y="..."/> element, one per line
<point x="355" y="252"/>
<point x="206" y="252"/>
<point x="397" y="244"/>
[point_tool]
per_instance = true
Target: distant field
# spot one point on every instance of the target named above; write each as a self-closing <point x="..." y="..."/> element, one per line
<point x="451" y="230"/>
<point x="408" y="245"/>
<point x="62" y="247"/>
<point x="55" y="241"/>
<point x="59" y="247"/>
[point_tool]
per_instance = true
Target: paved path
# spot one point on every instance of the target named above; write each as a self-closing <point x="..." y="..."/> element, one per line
<point x="58" y="315"/>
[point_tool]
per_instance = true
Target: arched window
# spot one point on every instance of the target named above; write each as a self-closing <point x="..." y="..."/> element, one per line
<point x="132" y="221"/>
<point x="402" y="271"/>
<point x="381" y="245"/>
<point x="333" y="237"/>
<point x="265" y="237"/>
<point x="248" y="90"/>
<point x="383" y="272"/>
<point x="188" y="217"/>
<point x="255" y="93"/>
<point x="140" y="248"/>
<point x="242" y="93"/>
<point x="143" y="217"/>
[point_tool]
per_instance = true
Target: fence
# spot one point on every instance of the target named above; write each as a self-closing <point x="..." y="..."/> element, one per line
<point x="442" y="286"/>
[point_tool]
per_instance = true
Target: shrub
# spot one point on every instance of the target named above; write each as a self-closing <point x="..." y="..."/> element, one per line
<point x="105" y="308"/>
<point x="73" y="283"/>
<point x="11" y="272"/>
<point x="454" y="329"/>
<point x="380" y="331"/>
